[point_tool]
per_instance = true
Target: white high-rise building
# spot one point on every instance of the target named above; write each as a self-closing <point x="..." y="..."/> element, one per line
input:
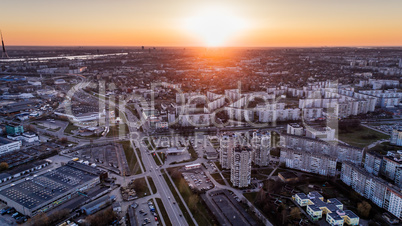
<point x="226" y="150"/>
<point x="240" y="175"/>
<point x="261" y="147"/>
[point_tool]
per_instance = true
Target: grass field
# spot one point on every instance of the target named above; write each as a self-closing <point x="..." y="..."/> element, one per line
<point x="69" y="128"/>
<point x="156" y="159"/>
<point x="144" y="190"/>
<point x="151" y="183"/>
<point x="200" y="210"/>
<point x="383" y="148"/>
<point x="131" y="158"/>
<point x="218" y="178"/>
<point x="177" y="198"/>
<point x="115" y="130"/>
<point x="139" y="156"/>
<point x="163" y="212"/>
<point x="362" y="137"/>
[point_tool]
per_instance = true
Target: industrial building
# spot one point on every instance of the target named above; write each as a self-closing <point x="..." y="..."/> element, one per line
<point x="7" y="145"/>
<point x="51" y="189"/>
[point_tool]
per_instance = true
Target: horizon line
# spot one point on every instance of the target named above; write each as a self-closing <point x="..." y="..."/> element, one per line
<point x="215" y="47"/>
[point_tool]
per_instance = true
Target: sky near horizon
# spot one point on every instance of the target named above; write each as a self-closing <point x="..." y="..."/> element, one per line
<point x="243" y="23"/>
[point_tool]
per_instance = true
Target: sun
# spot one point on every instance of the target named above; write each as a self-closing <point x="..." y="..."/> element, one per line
<point x="214" y="26"/>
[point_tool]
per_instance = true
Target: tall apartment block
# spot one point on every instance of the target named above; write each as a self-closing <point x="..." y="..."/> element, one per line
<point x="261" y="144"/>
<point x="226" y="150"/>
<point x="240" y="175"/>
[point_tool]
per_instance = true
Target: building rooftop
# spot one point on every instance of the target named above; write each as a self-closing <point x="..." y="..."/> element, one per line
<point x="335" y="216"/>
<point x="48" y="186"/>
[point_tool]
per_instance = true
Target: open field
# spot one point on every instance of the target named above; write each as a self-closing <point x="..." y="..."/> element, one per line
<point x="362" y="137"/>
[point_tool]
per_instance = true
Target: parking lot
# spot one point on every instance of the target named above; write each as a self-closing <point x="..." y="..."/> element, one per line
<point x="145" y="213"/>
<point x="210" y="166"/>
<point x="7" y="219"/>
<point x="198" y="180"/>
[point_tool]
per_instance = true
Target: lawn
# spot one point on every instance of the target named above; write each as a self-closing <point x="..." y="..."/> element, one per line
<point x="158" y="162"/>
<point x="131" y="158"/>
<point x="218" y="178"/>
<point x="162" y="156"/>
<point x="361" y="137"/>
<point x="139" y="156"/>
<point x="178" y="200"/>
<point x="250" y="196"/>
<point x="163" y="212"/>
<point x="200" y="210"/>
<point x="69" y="128"/>
<point x="152" y="184"/>
<point x="383" y="148"/>
<point x="143" y="190"/>
<point x="115" y="130"/>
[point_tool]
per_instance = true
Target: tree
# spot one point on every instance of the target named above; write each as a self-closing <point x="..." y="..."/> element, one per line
<point x="295" y="213"/>
<point x="364" y="208"/>
<point x="101" y="218"/>
<point x="63" y="140"/>
<point x="3" y="166"/>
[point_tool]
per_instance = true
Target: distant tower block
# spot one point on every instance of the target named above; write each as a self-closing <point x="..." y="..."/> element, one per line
<point x="4" y="53"/>
<point x="400" y="63"/>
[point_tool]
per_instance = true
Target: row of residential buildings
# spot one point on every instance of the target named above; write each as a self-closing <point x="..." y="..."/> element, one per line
<point x="380" y="192"/>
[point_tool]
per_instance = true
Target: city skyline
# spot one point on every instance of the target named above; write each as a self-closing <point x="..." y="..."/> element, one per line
<point x="178" y="23"/>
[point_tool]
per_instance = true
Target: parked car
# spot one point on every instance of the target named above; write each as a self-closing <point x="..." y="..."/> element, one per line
<point x="22" y="220"/>
<point x="5" y="210"/>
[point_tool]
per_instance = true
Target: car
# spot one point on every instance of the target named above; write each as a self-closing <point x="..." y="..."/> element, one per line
<point x="174" y="202"/>
<point x="180" y="215"/>
<point x="15" y="215"/>
<point x="5" y="210"/>
<point x="169" y="197"/>
<point x="156" y="219"/>
<point x="22" y="220"/>
<point x="11" y="211"/>
<point x="145" y="214"/>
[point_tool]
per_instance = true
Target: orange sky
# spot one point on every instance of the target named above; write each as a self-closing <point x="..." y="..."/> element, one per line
<point x="163" y="22"/>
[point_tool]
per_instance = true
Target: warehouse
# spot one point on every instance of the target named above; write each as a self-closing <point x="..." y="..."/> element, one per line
<point x="51" y="189"/>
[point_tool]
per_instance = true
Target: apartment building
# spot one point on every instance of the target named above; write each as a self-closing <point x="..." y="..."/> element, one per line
<point x="308" y="162"/>
<point x="373" y="163"/>
<point x="379" y="191"/>
<point x="396" y="137"/>
<point x="339" y="151"/>
<point x="261" y="145"/>
<point x="240" y="174"/>
<point x="295" y="129"/>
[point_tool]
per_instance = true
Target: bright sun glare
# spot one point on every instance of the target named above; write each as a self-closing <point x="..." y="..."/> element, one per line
<point x="215" y="26"/>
